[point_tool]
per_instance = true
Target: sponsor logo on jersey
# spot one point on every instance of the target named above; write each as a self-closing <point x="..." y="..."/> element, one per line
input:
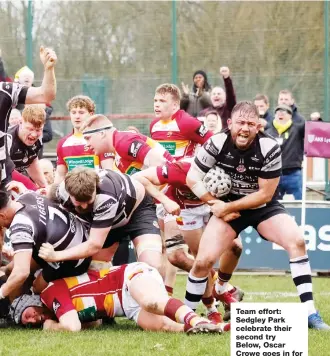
<point x="165" y="171"/>
<point x="272" y="155"/>
<point x="105" y="206"/>
<point x="56" y="305"/>
<point x="169" y="134"/>
<point x="134" y="148"/>
<point x="202" y="131"/>
<point x="108" y="154"/>
<point x="209" y="147"/>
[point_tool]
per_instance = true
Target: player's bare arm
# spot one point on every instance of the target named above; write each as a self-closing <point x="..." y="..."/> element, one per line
<point x="36" y="173"/>
<point x="19" y="274"/>
<point x="47" y="91"/>
<point x="148" y="178"/>
<point x="267" y="188"/>
<point x="67" y="322"/>
<point x="88" y="248"/>
<point x="61" y="171"/>
<point x="195" y="183"/>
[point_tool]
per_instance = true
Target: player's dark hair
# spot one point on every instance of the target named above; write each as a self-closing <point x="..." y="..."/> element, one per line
<point x="247" y="107"/>
<point x="4" y="199"/>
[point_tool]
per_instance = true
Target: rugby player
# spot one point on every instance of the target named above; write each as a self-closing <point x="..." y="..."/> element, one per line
<point x="72" y="150"/>
<point x="27" y="142"/>
<point x="135" y="291"/>
<point x="180" y="134"/>
<point x="115" y="206"/>
<point x="191" y="222"/>
<point x="33" y="219"/>
<point x="253" y="161"/>
<point x="173" y="128"/>
<point x="12" y="94"/>
<point x="133" y="151"/>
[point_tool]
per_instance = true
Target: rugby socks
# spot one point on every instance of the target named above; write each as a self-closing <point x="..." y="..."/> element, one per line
<point x="180" y="313"/>
<point x="169" y="290"/>
<point x="222" y="282"/>
<point x="194" y="290"/>
<point x="209" y="303"/>
<point x="302" y="278"/>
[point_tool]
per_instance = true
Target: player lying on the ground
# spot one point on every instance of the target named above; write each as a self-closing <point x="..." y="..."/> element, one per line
<point x="133" y="151"/>
<point x="191" y="222"/>
<point x="253" y="161"/>
<point x="135" y="291"/>
<point x="115" y="205"/>
<point x="32" y="220"/>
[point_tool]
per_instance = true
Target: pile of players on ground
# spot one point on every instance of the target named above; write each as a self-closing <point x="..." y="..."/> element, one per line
<point x="198" y="188"/>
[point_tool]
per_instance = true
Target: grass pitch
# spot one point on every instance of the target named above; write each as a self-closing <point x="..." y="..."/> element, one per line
<point x="126" y="339"/>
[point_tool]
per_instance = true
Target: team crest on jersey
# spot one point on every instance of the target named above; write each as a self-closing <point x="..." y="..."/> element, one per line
<point x="202" y="131"/>
<point x="134" y="148"/>
<point x="241" y="168"/>
<point x="56" y="305"/>
<point x="169" y="134"/>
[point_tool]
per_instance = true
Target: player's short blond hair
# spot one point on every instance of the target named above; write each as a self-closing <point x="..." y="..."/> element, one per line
<point x="168" y="88"/>
<point x="35" y="115"/>
<point x="81" y="183"/>
<point x="81" y="101"/>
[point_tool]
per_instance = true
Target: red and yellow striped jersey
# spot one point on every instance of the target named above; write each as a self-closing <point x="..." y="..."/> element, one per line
<point x="131" y="150"/>
<point x="93" y="295"/>
<point x="180" y="135"/>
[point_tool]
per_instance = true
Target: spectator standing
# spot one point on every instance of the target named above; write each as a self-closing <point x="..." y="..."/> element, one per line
<point x="199" y="99"/>
<point x="290" y="136"/>
<point x="222" y="101"/>
<point x="261" y="101"/>
<point x="285" y="97"/>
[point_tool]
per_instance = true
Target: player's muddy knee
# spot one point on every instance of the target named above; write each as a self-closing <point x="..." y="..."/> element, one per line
<point x="203" y="266"/>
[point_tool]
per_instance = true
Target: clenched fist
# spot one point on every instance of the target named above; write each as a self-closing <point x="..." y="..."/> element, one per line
<point x="225" y="72"/>
<point x="48" y="57"/>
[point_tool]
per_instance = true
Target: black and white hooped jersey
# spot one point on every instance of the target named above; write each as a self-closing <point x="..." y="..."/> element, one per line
<point x="261" y="160"/>
<point x="40" y="220"/>
<point x="114" y="202"/>
<point x="11" y="94"/>
<point x="21" y="154"/>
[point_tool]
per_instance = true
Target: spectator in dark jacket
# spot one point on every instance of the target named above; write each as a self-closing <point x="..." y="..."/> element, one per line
<point x="261" y="101"/>
<point x="290" y="136"/>
<point x="285" y="97"/>
<point x="199" y="98"/>
<point x="223" y="101"/>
